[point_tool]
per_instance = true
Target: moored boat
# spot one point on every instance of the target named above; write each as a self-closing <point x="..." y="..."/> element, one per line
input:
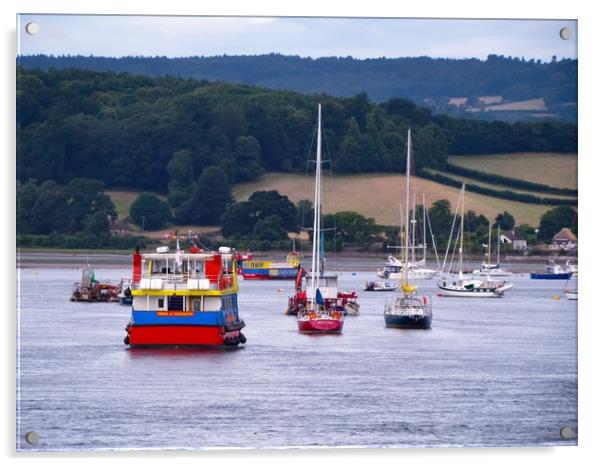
<point x="185" y="299"/>
<point x="408" y="310"/>
<point x="571" y="294"/>
<point x="89" y="289"/>
<point x="380" y="286"/>
<point x="553" y="272"/>
<point x="487" y="268"/>
<point x="272" y="270"/>
<point x="318" y="309"/>
<point x="468" y="287"/>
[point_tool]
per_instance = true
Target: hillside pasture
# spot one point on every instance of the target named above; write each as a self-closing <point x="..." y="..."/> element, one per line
<point x="379" y="196"/>
<point x="558" y="170"/>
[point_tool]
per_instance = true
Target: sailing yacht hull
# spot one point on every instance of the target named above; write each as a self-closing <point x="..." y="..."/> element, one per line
<point x="408" y="321"/>
<point x="476" y="292"/>
<point x="320" y="325"/>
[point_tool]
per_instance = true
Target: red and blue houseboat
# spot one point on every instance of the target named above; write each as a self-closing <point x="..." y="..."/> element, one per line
<point x="184" y="299"/>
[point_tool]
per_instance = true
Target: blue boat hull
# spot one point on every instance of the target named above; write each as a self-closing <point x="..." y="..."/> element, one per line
<point x="551" y="276"/>
<point x="408" y="322"/>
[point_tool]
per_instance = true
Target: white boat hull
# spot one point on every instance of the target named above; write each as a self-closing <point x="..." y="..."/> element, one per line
<point x="459" y="291"/>
<point x="418" y="274"/>
<point x="571" y="295"/>
<point x="492" y="273"/>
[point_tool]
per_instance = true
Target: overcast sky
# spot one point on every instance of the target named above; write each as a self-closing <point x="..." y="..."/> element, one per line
<point x="313" y="37"/>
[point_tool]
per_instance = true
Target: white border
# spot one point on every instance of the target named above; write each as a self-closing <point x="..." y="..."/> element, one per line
<point x="589" y="151"/>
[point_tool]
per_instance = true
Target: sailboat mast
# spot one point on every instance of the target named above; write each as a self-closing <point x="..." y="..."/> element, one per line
<point x="407" y="218"/>
<point x="414" y="230"/>
<point x="498" y="244"/>
<point x="489" y="246"/>
<point x="316" y="234"/>
<point x="424" y="227"/>
<point x="461" y="251"/>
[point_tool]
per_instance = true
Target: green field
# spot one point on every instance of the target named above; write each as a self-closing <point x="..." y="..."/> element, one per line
<point x="379" y="196"/>
<point x="124" y="199"/>
<point x="497" y="187"/>
<point x="558" y="170"/>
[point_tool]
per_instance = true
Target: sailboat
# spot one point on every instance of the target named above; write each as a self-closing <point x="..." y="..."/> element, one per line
<point x="489" y="269"/>
<point x="416" y="270"/>
<point x="408" y="310"/>
<point x="469" y="288"/>
<point x="319" y="311"/>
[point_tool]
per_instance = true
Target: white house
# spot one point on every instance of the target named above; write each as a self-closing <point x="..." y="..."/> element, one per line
<point x="514" y="238"/>
<point x="564" y="240"/>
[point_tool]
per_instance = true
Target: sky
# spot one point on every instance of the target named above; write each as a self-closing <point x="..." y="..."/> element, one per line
<point x="176" y="36"/>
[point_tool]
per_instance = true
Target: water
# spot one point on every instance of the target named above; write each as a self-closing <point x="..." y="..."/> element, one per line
<point x="491" y="372"/>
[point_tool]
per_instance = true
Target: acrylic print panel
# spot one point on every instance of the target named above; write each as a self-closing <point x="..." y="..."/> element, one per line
<point x="164" y="170"/>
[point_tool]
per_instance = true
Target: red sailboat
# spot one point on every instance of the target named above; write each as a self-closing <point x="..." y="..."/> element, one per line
<point x="318" y="312"/>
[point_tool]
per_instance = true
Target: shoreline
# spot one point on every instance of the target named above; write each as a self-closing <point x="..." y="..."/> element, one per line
<point x="346" y="261"/>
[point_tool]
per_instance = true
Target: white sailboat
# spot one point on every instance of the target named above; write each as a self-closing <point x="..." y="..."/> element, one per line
<point x="487" y="268"/>
<point x="416" y="270"/>
<point x="469" y="288"/>
<point x="408" y="310"/>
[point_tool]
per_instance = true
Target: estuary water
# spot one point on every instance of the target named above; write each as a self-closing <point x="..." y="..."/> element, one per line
<point x="490" y="372"/>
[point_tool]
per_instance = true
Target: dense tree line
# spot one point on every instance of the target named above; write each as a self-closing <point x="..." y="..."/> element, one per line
<point x="161" y="134"/>
<point x="418" y="79"/>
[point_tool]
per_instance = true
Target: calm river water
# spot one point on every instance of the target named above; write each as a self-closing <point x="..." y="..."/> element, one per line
<point x="491" y="372"/>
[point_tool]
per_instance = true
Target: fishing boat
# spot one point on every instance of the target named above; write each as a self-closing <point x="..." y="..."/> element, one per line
<point x="487" y="268"/>
<point x="317" y="307"/>
<point x="89" y="289"/>
<point x="184" y="299"/>
<point x="468" y="287"/>
<point x="416" y="269"/>
<point x="408" y="310"/>
<point x="271" y="270"/>
<point x="380" y="286"/>
<point x="553" y="272"/>
<point x="571" y="294"/>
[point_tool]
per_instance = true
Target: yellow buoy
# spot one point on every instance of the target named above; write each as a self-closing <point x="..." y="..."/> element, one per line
<point x="556" y="297"/>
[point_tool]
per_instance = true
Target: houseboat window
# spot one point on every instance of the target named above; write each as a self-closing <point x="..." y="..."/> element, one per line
<point x="175" y="303"/>
<point x="160" y="303"/>
<point x="196" y="305"/>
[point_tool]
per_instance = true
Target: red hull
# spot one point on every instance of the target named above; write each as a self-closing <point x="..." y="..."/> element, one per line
<point x="320" y="325"/>
<point x="150" y="335"/>
<point x="254" y="276"/>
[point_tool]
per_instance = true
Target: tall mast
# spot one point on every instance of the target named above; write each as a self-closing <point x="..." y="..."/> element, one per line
<point x="461" y="231"/>
<point x="316" y="234"/>
<point x="401" y="241"/>
<point x="414" y="230"/>
<point x="407" y="219"/>
<point x="489" y="245"/>
<point x="498" y="244"/>
<point x="424" y="227"/>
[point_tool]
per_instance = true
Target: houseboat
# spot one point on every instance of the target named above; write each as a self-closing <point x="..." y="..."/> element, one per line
<point x="184" y="299"/>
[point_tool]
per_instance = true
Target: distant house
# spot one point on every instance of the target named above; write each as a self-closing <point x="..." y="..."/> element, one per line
<point x="564" y="240"/>
<point x="514" y="238"/>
